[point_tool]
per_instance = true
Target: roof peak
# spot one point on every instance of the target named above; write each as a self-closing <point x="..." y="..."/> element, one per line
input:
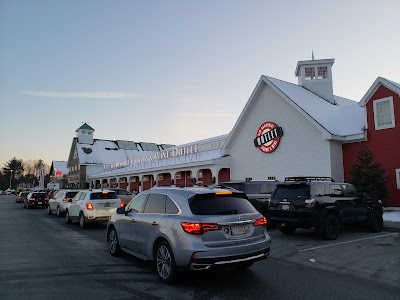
<point x="85" y="126"/>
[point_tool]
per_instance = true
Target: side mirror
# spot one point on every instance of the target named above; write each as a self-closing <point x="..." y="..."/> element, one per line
<point x="121" y="210"/>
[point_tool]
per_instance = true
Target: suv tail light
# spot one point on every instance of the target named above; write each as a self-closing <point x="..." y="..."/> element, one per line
<point x="66" y="199"/>
<point x="260" y="222"/>
<point x="89" y="206"/>
<point x="46" y="199"/>
<point x="122" y="204"/>
<point x="32" y="199"/>
<point x="310" y="203"/>
<point x="199" y="228"/>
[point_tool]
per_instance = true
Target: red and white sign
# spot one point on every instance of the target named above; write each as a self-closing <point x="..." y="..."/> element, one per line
<point x="268" y="137"/>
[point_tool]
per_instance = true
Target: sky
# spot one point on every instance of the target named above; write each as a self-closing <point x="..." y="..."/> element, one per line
<point x="170" y="72"/>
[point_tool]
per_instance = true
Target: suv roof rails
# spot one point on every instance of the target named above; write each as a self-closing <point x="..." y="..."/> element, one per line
<point x="308" y="179"/>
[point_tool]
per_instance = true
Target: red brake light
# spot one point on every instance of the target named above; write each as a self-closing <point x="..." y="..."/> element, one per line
<point x="89" y="206"/>
<point x="198" y="228"/>
<point x="66" y="199"/>
<point x="46" y="199"/>
<point x="104" y="192"/>
<point x="260" y="222"/>
<point x="122" y="204"/>
<point x="32" y="199"/>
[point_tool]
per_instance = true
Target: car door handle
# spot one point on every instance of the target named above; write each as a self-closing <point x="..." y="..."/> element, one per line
<point x="154" y="223"/>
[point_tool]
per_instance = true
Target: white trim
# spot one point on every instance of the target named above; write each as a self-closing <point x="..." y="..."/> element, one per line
<point x="398" y="178"/>
<point x="374" y="87"/>
<point x="391" y="108"/>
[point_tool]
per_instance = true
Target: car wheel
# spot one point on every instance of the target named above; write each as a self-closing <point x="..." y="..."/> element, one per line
<point x="165" y="263"/>
<point x="59" y="214"/>
<point x="67" y="219"/>
<point x="287" y="229"/>
<point x="49" y="210"/>
<point x="82" y="222"/>
<point x="331" y="227"/>
<point x="113" y="243"/>
<point x="375" y="222"/>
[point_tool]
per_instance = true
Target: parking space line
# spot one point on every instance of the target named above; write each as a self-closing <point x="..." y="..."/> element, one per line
<point x="347" y="242"/>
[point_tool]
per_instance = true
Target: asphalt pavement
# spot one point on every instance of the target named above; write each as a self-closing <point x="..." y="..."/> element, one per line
<point x="42" y="257"/>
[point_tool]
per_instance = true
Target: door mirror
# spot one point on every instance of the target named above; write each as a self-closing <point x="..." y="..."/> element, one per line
<point x="121" y="210"/>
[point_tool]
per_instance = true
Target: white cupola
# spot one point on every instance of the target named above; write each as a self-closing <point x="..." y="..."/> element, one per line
<point x="85" y="134"/>
<point x="316" y="76"/>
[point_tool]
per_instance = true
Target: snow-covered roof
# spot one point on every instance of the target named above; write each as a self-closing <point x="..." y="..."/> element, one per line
<point x="206" y="152"/>
<point x="107" y="151"/>
<point x="346" y="118"/>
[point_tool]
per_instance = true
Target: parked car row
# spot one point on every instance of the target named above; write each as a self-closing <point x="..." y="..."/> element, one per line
<point x="200" y="228"/>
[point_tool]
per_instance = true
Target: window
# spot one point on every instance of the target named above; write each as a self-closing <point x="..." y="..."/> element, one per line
<point x="160" y="177"/>
<point x="310" y="73"/>
<point x="103" y="195"/>
<point x="295" y="191"/>
<point x="211" y="204"/>
<point x="170" y="207"/>
<point x="398" y="178"/>
<point x="155" y="204"/>
<point x="336" y="190"/>
<point x="384" y="113"/>
<point x="137" y="203"/>
<point x="322" y="72"/>
<point x="349" y="190"/>
<point x="82" y="196"/>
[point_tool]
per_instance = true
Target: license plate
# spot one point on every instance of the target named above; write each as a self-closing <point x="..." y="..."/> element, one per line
<point x="107" y="204"/>
<point x="238" y="229"/>
<point x="39" y="203"/>
<point x="285" y="207"/>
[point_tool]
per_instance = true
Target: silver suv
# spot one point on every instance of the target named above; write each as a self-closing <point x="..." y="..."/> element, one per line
<point x="92" y="206"/>
<point x="190" y="228"/>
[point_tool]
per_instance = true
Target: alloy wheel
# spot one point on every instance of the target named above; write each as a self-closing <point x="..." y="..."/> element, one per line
<point x="164" y="262"/>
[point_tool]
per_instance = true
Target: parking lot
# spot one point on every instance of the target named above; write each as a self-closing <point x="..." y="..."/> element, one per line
<point x="44" y="257"/>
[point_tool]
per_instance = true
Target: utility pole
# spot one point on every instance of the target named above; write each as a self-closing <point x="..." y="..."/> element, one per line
<point x="11" y="171"/>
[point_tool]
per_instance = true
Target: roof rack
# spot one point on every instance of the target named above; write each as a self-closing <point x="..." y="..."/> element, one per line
<point x="308" y="179"/>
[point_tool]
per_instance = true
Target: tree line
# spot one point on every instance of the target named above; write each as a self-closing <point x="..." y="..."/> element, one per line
<point x="22" y="173"/>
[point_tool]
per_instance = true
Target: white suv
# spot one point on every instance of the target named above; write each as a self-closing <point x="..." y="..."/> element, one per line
<point x="92" y="206"/>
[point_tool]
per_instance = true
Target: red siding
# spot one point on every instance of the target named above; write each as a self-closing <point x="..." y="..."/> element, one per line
<point x="166" y="180"/>
<point x="224" y="175"/>
<point x="385" y="144"/>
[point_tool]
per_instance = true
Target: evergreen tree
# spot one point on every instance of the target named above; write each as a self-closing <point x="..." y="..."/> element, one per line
<point x="368" y="176"/>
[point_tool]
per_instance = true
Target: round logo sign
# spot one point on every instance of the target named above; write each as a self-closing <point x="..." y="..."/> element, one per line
<point x="268" y="137"/>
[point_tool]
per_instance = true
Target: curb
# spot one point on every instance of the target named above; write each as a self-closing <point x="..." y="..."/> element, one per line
<point x="391" y="226"/>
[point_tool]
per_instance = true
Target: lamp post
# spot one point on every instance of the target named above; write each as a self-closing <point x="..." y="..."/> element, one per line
<point x="10" y="178"/>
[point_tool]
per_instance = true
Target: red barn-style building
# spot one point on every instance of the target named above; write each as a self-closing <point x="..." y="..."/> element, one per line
<point x="382" y="104"/>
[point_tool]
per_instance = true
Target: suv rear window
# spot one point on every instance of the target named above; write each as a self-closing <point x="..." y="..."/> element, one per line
<point x="71" y="194"/>
<point x="211" y="204"/>
<point x="103" y="195"/>
<point x="294" y="191"/>
<point x="39" y="195"/>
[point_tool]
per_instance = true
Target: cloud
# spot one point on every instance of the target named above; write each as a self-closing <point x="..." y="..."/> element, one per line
<point x="80" y="95"/>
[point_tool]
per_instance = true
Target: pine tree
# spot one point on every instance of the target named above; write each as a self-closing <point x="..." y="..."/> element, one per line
<point x="368" y="176"/>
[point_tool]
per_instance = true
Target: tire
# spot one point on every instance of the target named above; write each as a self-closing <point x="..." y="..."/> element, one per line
<point x="288" y="229"/>
<point x="331" y="227"/>
<point x="67" y="219"/>
<point x="165" y="263"/>
<point x="59" y="214"/>
<point x="113" y="242"/>
<point x="375" y="222"/>
<point x="49" y="212"/>
<point x="82" y="222"/>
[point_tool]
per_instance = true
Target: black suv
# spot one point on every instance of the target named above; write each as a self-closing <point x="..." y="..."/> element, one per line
<point x="319" y="202"/>
<point x="258" y="192"/>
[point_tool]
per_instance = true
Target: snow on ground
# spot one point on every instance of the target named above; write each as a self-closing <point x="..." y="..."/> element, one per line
<point x="392" y="216"/>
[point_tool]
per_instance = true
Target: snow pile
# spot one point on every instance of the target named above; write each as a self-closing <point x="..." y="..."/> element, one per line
<point x="391" y="216"/>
